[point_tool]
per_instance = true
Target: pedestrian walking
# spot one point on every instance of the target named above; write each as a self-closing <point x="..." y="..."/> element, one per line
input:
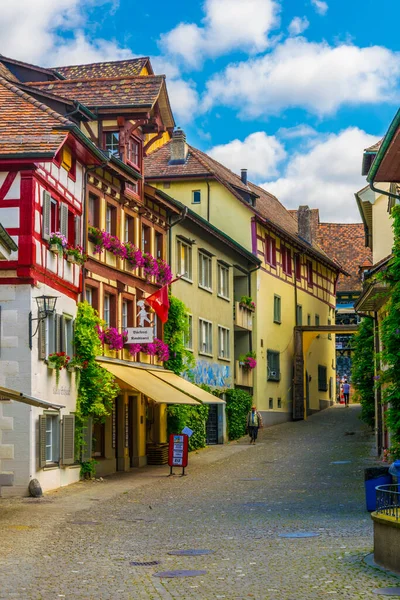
<point x="346" y="392"/>
<point x="254" y="422"/>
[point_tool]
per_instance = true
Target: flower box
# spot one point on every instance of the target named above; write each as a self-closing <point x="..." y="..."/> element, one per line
<point x="71" y="368"/>
<point x="56" y="248"/>
<point x="71" y="259"/>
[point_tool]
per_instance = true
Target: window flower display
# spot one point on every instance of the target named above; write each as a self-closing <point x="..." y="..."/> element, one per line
<point x="58" y="242"/>
<point x="248" y="302"/>
<point x="75" y="255"/>
<point x="58" y="361"/>
<point x="248" y="361"/>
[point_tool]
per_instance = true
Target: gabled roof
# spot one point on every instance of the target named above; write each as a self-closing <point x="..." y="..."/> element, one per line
<point x="129" y="91"/>
<point x="6" y="73"/>
<point x="27" y="67"/>
<point x="198" y="165"/>
<point x="115" y="68"/>
<point x="375" y="147"/>
<point x="27" y="127"/>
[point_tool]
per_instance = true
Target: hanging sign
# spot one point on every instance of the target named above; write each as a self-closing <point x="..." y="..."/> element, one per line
<point x="140" y="335"/>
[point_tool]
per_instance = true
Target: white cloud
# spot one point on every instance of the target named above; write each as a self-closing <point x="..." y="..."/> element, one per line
<point x="298" y="25"/>
<point x="184" y="100"/>
<point x="326" y="176"/>
<point x="259" y="153"/>
<point x="320" y="6"/>
<point x="317" y="77"/>
<point x="30" y="31"/>
<point x="228" y="25"/>
<point x="298" y="131"/>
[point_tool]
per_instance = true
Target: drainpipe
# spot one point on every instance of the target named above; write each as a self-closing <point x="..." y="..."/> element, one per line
<point x="378" y="191"/>
<point x="208" y="201"/>
<point x="172" y="224"/>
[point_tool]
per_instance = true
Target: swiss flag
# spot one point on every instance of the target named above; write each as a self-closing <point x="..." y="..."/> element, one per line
<point x="159" y="302"/>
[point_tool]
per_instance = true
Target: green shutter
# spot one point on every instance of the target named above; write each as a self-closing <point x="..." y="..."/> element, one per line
<point x="87" y="437"/>
<point x="42" y="441"/>
<point x="42" y="346"/>
<point x="46" y="215"/>
<point x="68" y="440"/>
<point x="273" y="365"/>
<point x="61" y="328"/>
<point x="64" y="219"/>
<point x="78" y="231"/>
<point x="57" y="335"/>
<point x="277" y="309"/>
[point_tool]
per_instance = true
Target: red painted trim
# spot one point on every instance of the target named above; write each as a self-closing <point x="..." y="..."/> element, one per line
<point x="17" y="281"/>
<point x="66" y="288"/>
<point x="57" y="194"/>
<point x="7" y="183"/>
<point x="9" y="203"/>
<point x="9" y="265"/>
<point x="26" y="246"/>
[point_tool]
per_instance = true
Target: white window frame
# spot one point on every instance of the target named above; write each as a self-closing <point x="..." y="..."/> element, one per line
<point x="184" y="260"/>
<point x="224" y="341"/>
<point x="109" y="220"/>
<point x="52" y="438"/>
<point x="188" y="338"/>
<point x="107" y="309"/>
<point x="89" y="295"/>
<point x="223" y="281"/>
<point x="205" y="337"/>
<point x="124" y="315"/>
<point x="205" y="271"/>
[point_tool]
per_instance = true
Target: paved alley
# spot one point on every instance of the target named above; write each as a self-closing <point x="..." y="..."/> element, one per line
<point x="236" y="501"/>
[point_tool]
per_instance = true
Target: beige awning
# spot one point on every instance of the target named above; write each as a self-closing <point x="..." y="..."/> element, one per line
<point x="186" y="387"/>
<point x="143" y="381"/>
<point x="6" y="394"/>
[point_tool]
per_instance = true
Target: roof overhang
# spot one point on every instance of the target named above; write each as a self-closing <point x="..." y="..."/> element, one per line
<point x="386" y="166"/>
<point x="373" y="297"/>
<point x="7" y="394"/>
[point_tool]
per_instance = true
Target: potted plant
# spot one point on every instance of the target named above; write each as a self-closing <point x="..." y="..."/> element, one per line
<point x="58" y="242"/>
<point x="248" y="361"/>
<point x="75" y="255"/>
<point x="58" y="361"/>
<point x="248" y="302"/>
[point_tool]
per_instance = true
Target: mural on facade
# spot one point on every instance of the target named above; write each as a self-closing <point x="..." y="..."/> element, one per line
<point x="212" y="374"/>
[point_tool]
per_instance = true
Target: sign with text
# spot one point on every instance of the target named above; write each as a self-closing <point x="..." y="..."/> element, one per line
<point x="140" y="335"/>
<point x="178" y="450"/>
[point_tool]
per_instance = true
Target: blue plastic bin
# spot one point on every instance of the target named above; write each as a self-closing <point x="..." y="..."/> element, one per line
<point x="370" y="493"/>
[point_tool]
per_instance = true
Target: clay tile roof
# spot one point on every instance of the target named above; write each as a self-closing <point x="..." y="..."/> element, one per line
<point x="129" y="91"/>
<point x="26" y="125"/>
<point x="156" y="164"/>
<point x="374" y="147"/>
<point x="6" y="73"/>
<point x="116" y="68"/>
<point x="345" y="242"/>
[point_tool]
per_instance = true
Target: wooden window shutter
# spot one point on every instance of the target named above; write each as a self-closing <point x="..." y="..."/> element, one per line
<point x="64" y="219"/>
<point x="46" y="215"/>
<point x="78" y="231"/>
<point x="57" y="341"/>
<point x="61" y="329"/>
<point x="42" y="341"/>
<point x="42" y="441"/>
<point x="87" y="437"/>
<point x="68" y="440"/>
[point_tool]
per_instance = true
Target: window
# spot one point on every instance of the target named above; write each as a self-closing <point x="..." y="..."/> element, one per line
<point x="129" y="233"/>
<point x="270" y="251"/>
<point x="205" y="337"/>
<point x="196" y="197"/>
<point x="111" y="142"/>
<point x="133" y="152"/>
<point x="111" y="219"/>
<point x="205" y="271"/>
<point x="223" y="280"/>
<point x="270" y="403"/>
<point x="106" y="310"/>
<point x="273" y="365"/>
<point x="223" y="342"/>
<point x="93" y="210"/>
<point x="322" y="379"/>
<point x="159" y="245"/>
<point x="146" y="238"/>
<point x="52" y="439"/>
<point x="277" y="309"/>
<point x="299" y="315"/>
<point x="297" y="262"/>
<point x="188" y="336"/>
<point x="184" y="259"/>
<point x="99" y="439"/>
<point x="317" y="320"/>
<point x="54" y="221"/>
<point x="67" y="336"/>
<point x="309" y="273"/>
<point x="133" y="187"/>
<point x="92" y="297"/>
<point x="279" y="402"/>
<point x="286" y="256"/>
<point x="309" y="320"/>
<point x="124" y="320"/>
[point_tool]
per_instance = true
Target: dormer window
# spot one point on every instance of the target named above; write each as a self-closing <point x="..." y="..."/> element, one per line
<point x="111" y="142"/>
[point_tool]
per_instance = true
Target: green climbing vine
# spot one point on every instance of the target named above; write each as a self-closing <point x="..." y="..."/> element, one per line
<point x="96" y="388"/>
<point x="389" y="378"/>
<point x="362" y="371"/>
<point x="175" y="331"/>
<point x="238" y="404"/>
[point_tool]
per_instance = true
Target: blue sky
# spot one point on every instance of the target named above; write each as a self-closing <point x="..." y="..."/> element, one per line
<point x="291" y="89"/>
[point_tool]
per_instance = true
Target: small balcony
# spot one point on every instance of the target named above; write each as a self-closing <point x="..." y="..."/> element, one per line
<point x="243" y="376"/>
<point x="243" y="316"/>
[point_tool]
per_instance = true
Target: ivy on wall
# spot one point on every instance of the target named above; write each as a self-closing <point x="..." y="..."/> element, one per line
<point x="176" y="328"/>
<point x="238" y="404"/>
<point x="362" y="370"/>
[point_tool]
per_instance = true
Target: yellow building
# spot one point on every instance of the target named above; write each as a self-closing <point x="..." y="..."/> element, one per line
<point x="295" y="285"/>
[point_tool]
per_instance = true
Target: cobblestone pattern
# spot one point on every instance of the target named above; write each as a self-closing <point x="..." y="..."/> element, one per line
<point x="236" y="500"/>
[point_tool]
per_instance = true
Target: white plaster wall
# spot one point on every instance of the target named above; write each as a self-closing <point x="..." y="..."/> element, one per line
<point x="9" y="217"/>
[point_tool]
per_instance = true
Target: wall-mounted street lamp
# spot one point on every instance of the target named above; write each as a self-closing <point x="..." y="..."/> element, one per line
<point x="46" y="306"/>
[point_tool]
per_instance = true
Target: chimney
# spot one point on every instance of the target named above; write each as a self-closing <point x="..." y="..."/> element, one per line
<point x="243" y="176"/>
<point x="179" y="149"/>
<point x="304" y="223"/>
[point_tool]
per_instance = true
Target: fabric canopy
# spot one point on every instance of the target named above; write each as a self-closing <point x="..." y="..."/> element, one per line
<point x="142" y="380"/>
<point x="186" y="387"/>
<point x="6" y="394"/>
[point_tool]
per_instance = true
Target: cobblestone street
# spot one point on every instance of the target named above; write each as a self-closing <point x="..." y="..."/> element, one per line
<point x="236" y="501"/>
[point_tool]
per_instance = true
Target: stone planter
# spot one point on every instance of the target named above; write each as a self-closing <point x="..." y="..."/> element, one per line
<point x="386" y="542"/>
<point x="71" y="259"/>
<point x="56" y="248"/>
